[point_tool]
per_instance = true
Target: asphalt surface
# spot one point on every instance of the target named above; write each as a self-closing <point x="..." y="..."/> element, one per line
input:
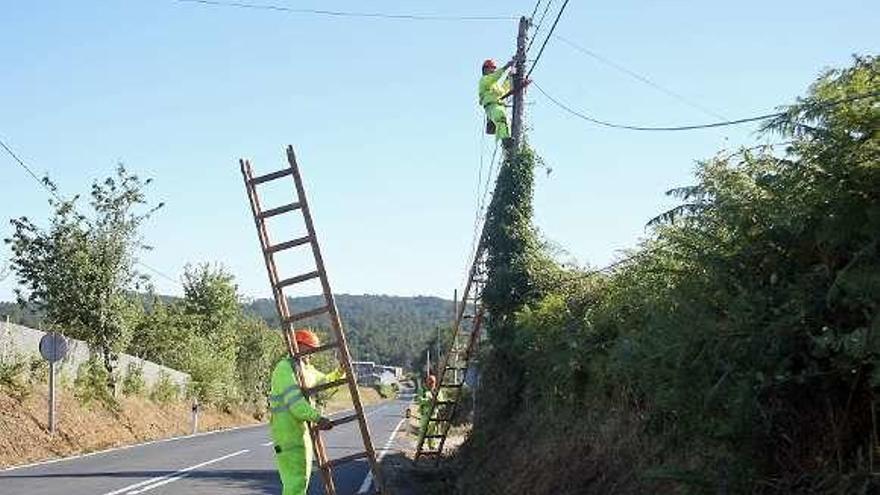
<point x="225" y="463"/>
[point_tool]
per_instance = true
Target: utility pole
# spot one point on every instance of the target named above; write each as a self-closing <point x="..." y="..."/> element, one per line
<point x="519" y="82"/>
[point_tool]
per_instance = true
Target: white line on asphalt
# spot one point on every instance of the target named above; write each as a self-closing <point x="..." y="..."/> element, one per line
<point x="369" y="479"/>
<point x="126" y="447"/>
<point x="169" y="478"/>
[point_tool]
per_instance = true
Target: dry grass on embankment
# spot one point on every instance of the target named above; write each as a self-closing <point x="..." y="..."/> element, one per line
<point x="88" y="428"/>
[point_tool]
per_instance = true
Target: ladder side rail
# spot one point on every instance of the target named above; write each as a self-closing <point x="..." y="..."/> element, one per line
<point x="478" y="319"/>
<point x="283" y="310"/>
<point x="335" y="321"/>
<point x="469" y="285"/>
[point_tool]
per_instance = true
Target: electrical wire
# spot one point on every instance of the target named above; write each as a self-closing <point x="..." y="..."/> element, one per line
<point x="54" y="193"/>
<point x="339" y="13"/>
<point x="538" y="26"/>
<point x="685" y="127"/>
<point x="535" y="10"/>
<point x="30" y="172"/>
<point x="638" y="77"/>
<point x="544" y="45"/>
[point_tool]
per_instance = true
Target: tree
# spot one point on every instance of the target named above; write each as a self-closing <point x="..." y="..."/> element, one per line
<point x="80" y="270"/>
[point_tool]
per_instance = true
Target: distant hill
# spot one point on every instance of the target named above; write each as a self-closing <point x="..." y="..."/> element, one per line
<point x="388" y="329"/>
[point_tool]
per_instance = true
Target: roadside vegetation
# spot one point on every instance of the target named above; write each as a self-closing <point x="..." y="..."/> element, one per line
<point x="736" y="350"/>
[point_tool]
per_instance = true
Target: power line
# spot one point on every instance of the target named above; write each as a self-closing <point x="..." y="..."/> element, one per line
<point x="687" y="127"/>
<point x="54" y="193"/>
<point x="535" y="10"/>
<point x="544" y="45"/>
<point x="29" y="171"/>
<point x="540" y="23"/>
<point x="339" y="13"/>
<point x="639" y="77"/>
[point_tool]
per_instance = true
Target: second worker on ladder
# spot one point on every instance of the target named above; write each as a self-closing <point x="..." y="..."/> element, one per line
<point x="291" y="413"/>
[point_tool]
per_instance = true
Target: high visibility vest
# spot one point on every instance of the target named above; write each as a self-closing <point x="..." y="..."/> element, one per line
<point x="491" y="90"/>
<point x="289" y="409"/>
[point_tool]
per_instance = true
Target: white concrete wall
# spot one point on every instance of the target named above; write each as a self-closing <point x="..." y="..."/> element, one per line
<point x="17" y="340"/>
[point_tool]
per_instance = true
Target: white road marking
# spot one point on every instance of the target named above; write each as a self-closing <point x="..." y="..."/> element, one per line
<point x="151" y="483"/>
<point x="126" y="447"/>
<point x="369" y="478"/>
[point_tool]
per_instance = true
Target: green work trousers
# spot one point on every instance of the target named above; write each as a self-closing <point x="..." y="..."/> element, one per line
<point x="295" y="469"/>
<point x="495" y="112"/>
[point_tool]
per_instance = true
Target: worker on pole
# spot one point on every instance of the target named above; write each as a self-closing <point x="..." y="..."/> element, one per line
<point x="491" y="91"/>
<point x="291" y="413"/>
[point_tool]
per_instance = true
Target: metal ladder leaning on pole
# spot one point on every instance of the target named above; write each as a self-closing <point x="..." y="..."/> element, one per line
<point x="453" y="372"/>
<point x="288" y="319"/>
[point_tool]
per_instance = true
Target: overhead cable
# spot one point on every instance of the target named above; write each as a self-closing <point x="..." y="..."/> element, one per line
<point x="539" y="24"/>
<point x="544" y="45"/>
<point x="725" y="123"/>
<point x="639" y="77"/>
<point x="54" y="193"/>
<point x="340" y="13"/>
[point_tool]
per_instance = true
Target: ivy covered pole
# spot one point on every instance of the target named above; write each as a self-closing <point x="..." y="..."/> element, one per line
<point x="519" y="82"/>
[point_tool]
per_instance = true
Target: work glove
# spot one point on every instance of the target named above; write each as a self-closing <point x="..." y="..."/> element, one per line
<point x="324" y="423"/>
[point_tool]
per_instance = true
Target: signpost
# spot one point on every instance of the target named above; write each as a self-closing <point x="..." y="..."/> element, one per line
<point x="53" y="348"/>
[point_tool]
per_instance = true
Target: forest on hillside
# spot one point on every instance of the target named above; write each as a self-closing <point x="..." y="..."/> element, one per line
<point x="388" y="329"/>
<point x="392" y="330"/>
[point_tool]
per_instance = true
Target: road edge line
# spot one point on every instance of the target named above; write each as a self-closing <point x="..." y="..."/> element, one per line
<point x="126" y="447"/>
<point x="368" y="480"/>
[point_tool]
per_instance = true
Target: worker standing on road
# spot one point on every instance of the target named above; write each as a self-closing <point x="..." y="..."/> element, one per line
<point x="430" y="427"/>
<point x="291" y="413"/>
<point x="491" y="92"/>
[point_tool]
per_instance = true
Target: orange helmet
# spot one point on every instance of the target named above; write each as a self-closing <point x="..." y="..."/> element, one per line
<point x="489" y="64"/>
<point x="307" y="338"/>
<point x="431" y="381"/>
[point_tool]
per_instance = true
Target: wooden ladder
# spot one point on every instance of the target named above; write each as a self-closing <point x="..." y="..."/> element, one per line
<point x="288" y="319"/>
<point x="452" y="373"/>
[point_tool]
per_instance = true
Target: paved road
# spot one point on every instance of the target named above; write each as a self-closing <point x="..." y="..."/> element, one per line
<point x="235" y="462"/>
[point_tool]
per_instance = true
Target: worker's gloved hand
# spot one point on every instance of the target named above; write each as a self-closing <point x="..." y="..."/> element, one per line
<point x="324" y="424"/>
<point x="510" y="64"/>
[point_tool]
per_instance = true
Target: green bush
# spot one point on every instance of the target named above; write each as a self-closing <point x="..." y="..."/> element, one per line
<point x="164" y="390"/>
<point x="38" y="369"/>
<point x="386" y="391"/>
<point x="133" y="383"/>
<point x="742" y="336"/>
<point x="13" y="375"/>
<point x="94" y="384"/>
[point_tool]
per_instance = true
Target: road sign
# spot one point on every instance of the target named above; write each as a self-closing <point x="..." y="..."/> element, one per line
<point x="53" y="347"/>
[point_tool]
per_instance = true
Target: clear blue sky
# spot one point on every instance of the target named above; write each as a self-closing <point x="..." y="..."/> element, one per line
<point x="384" y="118"/>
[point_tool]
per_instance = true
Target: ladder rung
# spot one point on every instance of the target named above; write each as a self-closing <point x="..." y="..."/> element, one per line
<point x="315" y="350"/>
<point x="453" y="385"/>
<point x="279" y="210"/>
<point x="274" y="175"/>
<point x="345" y="419"/>
<point x="348" y="458"/>
<point x="445" y="402"/>
<point x="439" y="420"/>
<point x="454" y="368"/>
<point x="288" y="244"/>
<point x="297" y="279"/>
<point x="308" y="314"/>
<point x="426" y="437"/>
<point x="320" y="388"/>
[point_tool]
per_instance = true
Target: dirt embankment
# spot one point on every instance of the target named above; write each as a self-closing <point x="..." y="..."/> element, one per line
<point x="85" y="428"/>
